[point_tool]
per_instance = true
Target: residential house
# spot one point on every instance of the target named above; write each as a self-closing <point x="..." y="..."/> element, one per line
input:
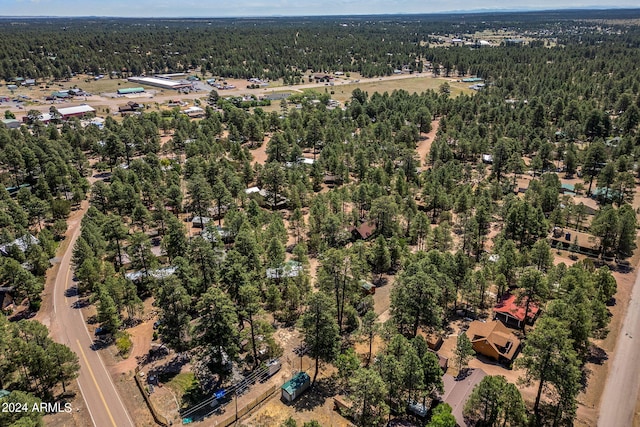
<point x="443" y="362"/>
<point x="332" y="180"/>
<point x="63" y="94"/>
<point x="200" y="222"/>
<point x="216" y="211"/>
<point x="493" y="339"/>
<point x="585" y="243"/>
<point x="194" y="112"/>
<point x="274" y="200"/>
<point x="21" y="243"/>
<point x="252" y="190"/>
<point x="11" y="123"/>
<point x="320" y="77"/>
<point x="211" y="236"/>
<point x="567" y="189"/>
<point x="288" y="269"/>
<point x="130" y="107"/>
<point x="512" y="312"/>
<point x="367" y="287"/>
<point x="434" y="341"/>
<point x="160" y="273"/>
<point x="364" y="230"/>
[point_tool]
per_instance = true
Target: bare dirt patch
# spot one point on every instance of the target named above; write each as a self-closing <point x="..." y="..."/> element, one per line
<point x="141" y="337"/>
<point x="424" y="146"/>
<point x="260" y="153"/>
<point x="314" y="404"/>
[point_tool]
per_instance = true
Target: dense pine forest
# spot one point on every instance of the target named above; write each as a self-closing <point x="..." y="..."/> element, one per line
<point x="448" y="232"/>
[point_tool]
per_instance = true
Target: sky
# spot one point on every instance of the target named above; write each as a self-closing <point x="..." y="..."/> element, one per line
<point x="241" y="8"/>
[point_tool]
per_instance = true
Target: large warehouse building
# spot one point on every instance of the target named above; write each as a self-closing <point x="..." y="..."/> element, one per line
<point x="162" y="83"/>
<point x="130" y="90"/>
<point x="66" y="113"/>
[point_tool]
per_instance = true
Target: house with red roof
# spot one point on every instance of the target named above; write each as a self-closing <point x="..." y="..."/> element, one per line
<point x="511" y="312"/>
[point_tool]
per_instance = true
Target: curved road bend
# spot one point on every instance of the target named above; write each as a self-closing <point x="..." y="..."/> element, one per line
<point x="68" y="327"/>
<point x="620" y="396"/>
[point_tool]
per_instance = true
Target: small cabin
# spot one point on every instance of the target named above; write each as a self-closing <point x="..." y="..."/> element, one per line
<point x="294" y="388"/>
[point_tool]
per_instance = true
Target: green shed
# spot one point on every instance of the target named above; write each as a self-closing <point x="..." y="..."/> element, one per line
<point x="293" y="388"/>
<point x="130" y="90"/>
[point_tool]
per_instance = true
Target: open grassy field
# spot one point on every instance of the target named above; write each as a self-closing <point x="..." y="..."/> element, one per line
<point x="343" y="88"/>
<point x="411" y="85"/>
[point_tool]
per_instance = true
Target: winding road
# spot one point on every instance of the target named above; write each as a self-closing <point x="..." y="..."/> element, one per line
<point x="68" y="326"/>
<point x="620" y="396"/>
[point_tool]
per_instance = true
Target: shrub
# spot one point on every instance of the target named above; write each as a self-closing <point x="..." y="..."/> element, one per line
<point x="123" y="343"/>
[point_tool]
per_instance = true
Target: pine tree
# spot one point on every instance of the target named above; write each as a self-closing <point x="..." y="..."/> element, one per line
<point x="464" y="351"/>
<point x="320" y="330"/>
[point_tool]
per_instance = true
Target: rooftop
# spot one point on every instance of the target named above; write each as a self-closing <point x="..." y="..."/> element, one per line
<point x="365" y="230"/>
<point x="160" y="273"/>
<point x="22" y="243"/>
<point x="76" y="110"/>
<point x="296" y="382"/>
<point x="157" y="81"/>
<point x="288" y="269"/>
<point x="508" y="305"/>
<point x="495" y="334"/>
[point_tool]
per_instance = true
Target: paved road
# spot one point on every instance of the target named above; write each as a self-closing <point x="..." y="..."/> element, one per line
<point x="620" y="395"/>
<point x="68" y="327"/>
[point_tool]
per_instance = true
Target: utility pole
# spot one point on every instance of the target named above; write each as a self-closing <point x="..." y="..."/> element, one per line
<point x="236" y="393"/>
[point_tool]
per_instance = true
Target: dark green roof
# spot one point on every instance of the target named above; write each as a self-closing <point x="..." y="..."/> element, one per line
<point x="130" y="90"/>
<point x="366" y="285"/>
<point x="296" y="382"/>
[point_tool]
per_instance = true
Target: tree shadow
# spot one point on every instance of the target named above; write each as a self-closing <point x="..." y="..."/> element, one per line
<point x="101" y="343"/>
<point x="80" y="303"/>
<point x="168" y="370"/>
<point x="316" y="396"/>
<point x="464" y="373"/>
<point x="381" y="281"/>
<point x="23" y="314"/>
<point x="597" y="355"/>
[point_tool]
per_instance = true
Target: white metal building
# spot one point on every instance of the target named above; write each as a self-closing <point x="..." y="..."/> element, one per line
<point x="158" y="82"/>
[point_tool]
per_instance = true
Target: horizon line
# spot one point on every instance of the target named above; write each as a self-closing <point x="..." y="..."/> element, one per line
<point x="448" y="12"/>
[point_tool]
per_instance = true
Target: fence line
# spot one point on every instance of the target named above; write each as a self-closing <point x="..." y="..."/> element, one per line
<point x="158" y="417"/>
<point x="247" y="408"/>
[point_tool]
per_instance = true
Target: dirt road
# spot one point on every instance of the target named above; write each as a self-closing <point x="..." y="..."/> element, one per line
<point x="621" y="391"/>
<point x="67" y="326"/>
